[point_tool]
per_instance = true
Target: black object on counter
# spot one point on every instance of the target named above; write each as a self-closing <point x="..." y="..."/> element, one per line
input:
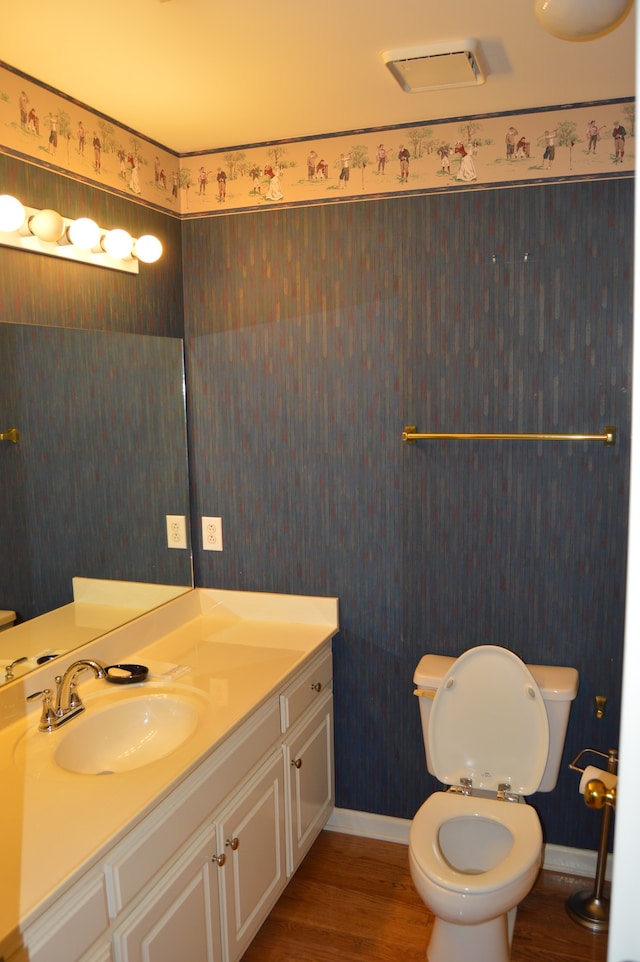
<point x="126" y="674"/>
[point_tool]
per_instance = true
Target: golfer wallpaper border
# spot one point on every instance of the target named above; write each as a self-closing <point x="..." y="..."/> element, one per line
<point x="569" y="142"/>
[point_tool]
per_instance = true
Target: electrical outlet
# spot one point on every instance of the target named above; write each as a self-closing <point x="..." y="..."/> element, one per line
<point x="212" y="534"/>
<point x="176" y="531"/>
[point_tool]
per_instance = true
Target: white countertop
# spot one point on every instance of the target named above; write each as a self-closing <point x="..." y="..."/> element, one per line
<point x="6" y="617"/>
<point x="235" y="648"/>
<point x="98" y="607"/>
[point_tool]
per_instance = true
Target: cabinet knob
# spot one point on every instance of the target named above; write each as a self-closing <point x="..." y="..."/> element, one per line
<point x="232" y="843"/>
<point x="296" y="762"/>
<point x="317" y="686"/>
<point x="219" y="859"/>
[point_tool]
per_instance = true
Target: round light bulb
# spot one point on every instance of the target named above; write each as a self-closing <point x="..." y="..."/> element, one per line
<point x="148" y="249"/>
<point x="84" y="233"/>
<point x="47" y="225"/>
<point x="580" y="19"/>
<point x="118" y="243"/>
<point x="12" y="213"/>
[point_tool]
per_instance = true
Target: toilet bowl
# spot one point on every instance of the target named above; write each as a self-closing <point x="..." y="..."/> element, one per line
<point x="475" y="849"/>
<point x="472" y="863"/>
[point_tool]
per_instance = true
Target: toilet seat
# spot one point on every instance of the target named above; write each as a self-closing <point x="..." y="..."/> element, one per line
<point x="518" y="818"/>
<point x="489" y="725"/>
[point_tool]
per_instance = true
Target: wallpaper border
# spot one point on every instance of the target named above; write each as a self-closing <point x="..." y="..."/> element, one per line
<point x="479" y="151"/>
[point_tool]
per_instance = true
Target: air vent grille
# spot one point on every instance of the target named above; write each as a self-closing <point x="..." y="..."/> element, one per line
<point x="436" y="67"/>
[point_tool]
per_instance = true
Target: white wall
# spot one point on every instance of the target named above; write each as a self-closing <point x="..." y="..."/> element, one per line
<point x="624" y="930"/>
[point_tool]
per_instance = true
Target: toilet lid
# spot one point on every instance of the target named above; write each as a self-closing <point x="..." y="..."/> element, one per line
<point x="489" y="723"/>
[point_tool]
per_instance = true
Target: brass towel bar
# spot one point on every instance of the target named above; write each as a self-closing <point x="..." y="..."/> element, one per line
<point x="10" y="435"/>
<point x="411" y="435"/>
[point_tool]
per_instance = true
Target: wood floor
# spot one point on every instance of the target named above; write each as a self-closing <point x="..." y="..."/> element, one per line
<point x="352" y="900"/>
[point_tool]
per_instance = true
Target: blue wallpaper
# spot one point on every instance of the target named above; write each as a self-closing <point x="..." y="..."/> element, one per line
<point x="46" y="290"/>
<point x="313" y="336"/>
<point x="86" y="490"/>
<point x="101" y="460"/>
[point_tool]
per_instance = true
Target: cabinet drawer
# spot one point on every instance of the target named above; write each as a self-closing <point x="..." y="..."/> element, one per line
<point x="72" y="925"/>
<point x="308" y="687"/>
<point x="136" y="860"/>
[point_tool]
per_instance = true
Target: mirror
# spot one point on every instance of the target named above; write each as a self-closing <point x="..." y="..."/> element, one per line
<point x="100" y="462"/>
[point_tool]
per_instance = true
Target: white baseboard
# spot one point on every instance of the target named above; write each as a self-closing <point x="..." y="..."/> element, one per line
<point x="383" y="827"/>
<point x="557" y="858"/>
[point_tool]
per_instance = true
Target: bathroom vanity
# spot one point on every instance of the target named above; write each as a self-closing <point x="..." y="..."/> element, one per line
<point x="113" y="855"/>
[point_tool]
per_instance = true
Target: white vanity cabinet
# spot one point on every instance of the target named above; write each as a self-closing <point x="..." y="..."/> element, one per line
<point x="307" y="719"/>
<point x="210" y="902"/>
<point x="70" y="926"/>
<point x="179" y="918"/>
<point x="197" y="876"/>
<point x="251" y="834"/>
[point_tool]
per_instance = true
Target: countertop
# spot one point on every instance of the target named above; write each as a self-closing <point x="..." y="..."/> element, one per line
<point x="98" y="607"/>
<point x="235" y="648"/>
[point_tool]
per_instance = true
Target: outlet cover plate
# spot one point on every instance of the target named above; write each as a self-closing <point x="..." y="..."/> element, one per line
<point x="211" y="534"/>
<point x="176" y="531"/>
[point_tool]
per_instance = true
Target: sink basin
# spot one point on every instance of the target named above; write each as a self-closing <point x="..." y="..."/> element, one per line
<point x="120" y="733"/>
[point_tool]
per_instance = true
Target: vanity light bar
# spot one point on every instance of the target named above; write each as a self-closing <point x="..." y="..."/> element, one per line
<point x="48" y="232"/>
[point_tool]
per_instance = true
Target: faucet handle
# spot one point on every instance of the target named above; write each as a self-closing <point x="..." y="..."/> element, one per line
<point x="74" y="698"/>
<point x="9" y="668"/>
<point x="48" y="717"/>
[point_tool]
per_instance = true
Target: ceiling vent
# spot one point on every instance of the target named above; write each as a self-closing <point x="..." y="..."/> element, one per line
<point x="436" y="66"/>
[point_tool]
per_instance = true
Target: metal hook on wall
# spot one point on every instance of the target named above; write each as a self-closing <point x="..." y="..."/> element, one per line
<point x="10" y="435"/>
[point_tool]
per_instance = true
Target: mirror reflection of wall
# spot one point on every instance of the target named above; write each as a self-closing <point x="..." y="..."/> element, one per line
<point x="100" y="462"/>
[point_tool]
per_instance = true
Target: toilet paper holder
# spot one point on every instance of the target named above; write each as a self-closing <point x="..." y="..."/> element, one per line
<point x="590" y="908"/>
<point x="597" y="792"/>
<point x="611" y="756"/>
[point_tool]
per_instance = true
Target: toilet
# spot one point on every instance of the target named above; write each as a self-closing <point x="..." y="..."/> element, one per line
<point x="494" y="732"/>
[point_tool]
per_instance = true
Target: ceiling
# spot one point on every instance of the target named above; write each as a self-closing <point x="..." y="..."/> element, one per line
<point x="202" y="74"/>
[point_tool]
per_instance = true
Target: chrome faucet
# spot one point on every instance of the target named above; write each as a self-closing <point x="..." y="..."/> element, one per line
<point x="67" y="700"/>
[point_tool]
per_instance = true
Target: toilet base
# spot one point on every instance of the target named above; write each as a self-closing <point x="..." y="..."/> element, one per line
<point x="485" y="942"/>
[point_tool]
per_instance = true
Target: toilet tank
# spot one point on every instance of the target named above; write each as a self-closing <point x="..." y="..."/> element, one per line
<point x="558" y="687"/>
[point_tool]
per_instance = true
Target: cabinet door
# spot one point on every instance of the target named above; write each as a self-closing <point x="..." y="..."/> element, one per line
<point x="179" y="918"/>
<point x="103" y="953"/>
<point x="251" y="832"/>
<point x="309" y="767"/>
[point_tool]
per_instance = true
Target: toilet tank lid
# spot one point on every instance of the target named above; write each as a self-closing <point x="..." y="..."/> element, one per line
<point x="556" y="683"/>
<point x="431" y="670"/>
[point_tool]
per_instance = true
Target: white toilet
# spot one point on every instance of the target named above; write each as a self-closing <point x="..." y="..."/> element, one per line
<point x="494" y="732"/>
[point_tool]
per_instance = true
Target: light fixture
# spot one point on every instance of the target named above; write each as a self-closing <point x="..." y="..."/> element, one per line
<point x="580" y="20"/>
<point x="47" y="225"/>
<point x="48" y="232"/>
<point x="147" y="248"/>
<point x="117" y="243"/>
<point x="12" y="213"/>
<point x="84" y="233"/>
